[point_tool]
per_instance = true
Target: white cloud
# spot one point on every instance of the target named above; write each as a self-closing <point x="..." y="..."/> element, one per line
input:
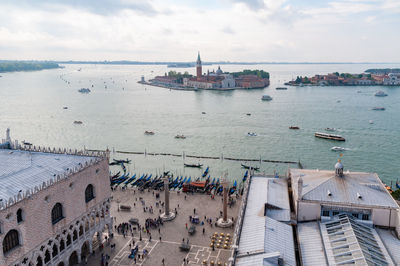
<point x="269" y="30"/>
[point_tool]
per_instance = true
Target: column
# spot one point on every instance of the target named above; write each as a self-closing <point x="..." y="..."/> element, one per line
<point x="225" y="207"/>
<point x="167" y="215"/>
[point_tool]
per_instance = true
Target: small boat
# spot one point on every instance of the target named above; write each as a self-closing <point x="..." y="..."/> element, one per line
<point x="248" y="114"/>
<point x="84" y="90"/>
<point x="205" y="172"/>
<point x="203" y="113"/>
<point x="294" y="127"/>
<point x="193" y="165"/>
<point x="338" y="149"/>
<point x="250" y="167"/>
<point x="180" y="137"/>
<point x="26" y="143"/>
<point x="149" y="132"/>
<point x="65" y="107"/>
<point x="371" y="121"/>
<point x="122" y="161"/>
<point x="380" y="94"/>
<point x="251" y="134"/>
<point x="330" y="129"/>
<point x="378" y="108"/>
<point x="78" y="122"/>
<point x="329" y="136"/>
<point x="266" y="98"/>
<point x="280" y="88"/>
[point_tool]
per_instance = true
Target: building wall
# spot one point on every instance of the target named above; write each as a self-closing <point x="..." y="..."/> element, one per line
<point x="308" y="211"/>
<point x="37" y="226"/>
<point x="384" y="217"/>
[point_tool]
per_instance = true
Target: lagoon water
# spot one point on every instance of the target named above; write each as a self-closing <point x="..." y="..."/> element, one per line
<point x="117" y="116"/>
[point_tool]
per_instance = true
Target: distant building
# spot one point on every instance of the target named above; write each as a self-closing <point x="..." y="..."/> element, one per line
<point x="391" y="79"/>
<point x="54" y="204"/>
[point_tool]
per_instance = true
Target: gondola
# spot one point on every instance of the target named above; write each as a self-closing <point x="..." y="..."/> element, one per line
<point x="250" y="167"/>
<point x="193" y="165"/>
<point x="122" y="161"/>
<point x="205" y="172"/>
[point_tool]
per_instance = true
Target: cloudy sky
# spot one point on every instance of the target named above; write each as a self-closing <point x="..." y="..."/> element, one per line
<point x="226" y="30"/>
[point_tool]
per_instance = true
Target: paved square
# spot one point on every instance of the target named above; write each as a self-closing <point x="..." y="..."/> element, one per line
<point x="172" y="233"/>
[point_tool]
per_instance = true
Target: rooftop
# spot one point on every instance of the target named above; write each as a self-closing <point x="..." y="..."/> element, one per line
<point x="24" y="172"/>
<point x="266" y="196"/>
<point x="362" y="189"/>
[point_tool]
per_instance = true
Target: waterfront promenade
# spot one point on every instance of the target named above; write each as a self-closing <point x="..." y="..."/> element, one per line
<point x="164" y="243"/>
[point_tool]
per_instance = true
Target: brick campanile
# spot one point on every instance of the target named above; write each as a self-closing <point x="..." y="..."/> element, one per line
<point x="198" y="66"/>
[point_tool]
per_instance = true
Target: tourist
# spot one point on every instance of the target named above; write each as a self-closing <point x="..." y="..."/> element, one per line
<point x="163" y="261"/>
<point x="194" y="211"/>
<point x="186" y="225"/>
<point x="184" y="261"/>
<point x="160" y="238"/>
<point x="204" y="230"/>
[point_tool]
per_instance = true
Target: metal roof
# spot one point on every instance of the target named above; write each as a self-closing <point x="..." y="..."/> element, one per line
<point x="391" y="242"/>
<point x="353" y="188"/>
<point x="349" y="241"/>
<point x="255" y="247"/>
<point x="22" y="171"/>
<point x="311" y="246"/>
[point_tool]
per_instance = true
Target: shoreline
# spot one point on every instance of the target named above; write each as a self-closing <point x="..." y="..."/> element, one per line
<point x="197" y="89"/>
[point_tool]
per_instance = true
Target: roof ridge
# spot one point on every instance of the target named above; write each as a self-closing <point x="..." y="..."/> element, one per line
<point x="329" y="178"/>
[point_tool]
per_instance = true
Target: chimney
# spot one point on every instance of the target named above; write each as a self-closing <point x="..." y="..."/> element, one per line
<point x="300" y="188"/>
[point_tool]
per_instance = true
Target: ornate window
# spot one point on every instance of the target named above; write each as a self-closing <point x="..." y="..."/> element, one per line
<point x="89" y="193"/>
<point x="57" y="213"/>
<point x="19" y="216"/>
<point x="10" y="241"/>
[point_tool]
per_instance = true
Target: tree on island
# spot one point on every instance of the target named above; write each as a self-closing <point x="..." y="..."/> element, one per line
<point x="259" y="73"/>
<point x="12" y="66"/>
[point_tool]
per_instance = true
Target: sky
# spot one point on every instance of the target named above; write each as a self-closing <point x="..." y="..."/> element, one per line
<point x="222" y="30"/>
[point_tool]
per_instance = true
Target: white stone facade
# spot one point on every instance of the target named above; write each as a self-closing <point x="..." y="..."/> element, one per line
<point x="43" y="243"/>
<point x="392" y="79"/>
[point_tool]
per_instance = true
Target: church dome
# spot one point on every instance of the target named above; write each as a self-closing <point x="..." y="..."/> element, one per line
<point x="219" y="71"/>
<point x="338" y="165"/>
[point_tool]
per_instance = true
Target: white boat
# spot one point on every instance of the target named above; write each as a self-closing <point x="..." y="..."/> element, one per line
<point x="266" y="98"/>
<point x="371" y="121"/>
<point x="180" y="136"/>
<point x="338" y="149"/>
<point x="380" y="94"/>
<point x="330" y="129"/>
<point x="251" y="134"/>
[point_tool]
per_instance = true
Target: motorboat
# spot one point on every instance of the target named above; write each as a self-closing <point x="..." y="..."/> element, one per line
<point x="180" y="136"/>
<point x="336" y="148"/>
<point x="330" y="129"/>
<point x="149" y="132"/>
<point x="378" y="108"/>
<point x="294" y="127"/>
<point x="65" y="107"/>
<point x="193" y="165"/>
<point x="251" y="134"/>
<point x="248" y="114"/>
<point x="78" y="122"/>
<point x="380" y="94"/>
<point x="329" y="136"/>
<point x="266" y="98"/>
<point x="280" y="88"/>
<point x="84" y="90"/>
<point x="371" y="121"/>
<point x="250" y="167"/>
<point x="203" y="113"/>
<point x="26" y="143"/>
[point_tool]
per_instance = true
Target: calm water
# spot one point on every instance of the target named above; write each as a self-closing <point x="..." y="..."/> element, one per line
<point x="117" y="116"/>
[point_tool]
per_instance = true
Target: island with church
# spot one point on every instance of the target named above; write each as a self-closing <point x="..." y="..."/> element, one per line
<point x="215" y="80"/>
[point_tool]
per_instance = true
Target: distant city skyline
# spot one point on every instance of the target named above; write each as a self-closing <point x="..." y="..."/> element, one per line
<point x="222" y="30"/>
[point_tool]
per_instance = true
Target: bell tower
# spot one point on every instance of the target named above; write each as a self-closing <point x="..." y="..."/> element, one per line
<point x="198" y="66"/>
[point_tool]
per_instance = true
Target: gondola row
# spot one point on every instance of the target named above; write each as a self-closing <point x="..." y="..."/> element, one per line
<point x="179" y="183"/>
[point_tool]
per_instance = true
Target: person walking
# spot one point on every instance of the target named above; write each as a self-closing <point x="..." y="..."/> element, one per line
<point x="163" y="261"/>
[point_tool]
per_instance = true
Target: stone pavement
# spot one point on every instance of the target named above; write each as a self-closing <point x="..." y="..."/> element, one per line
<point x="172" y="233"/>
